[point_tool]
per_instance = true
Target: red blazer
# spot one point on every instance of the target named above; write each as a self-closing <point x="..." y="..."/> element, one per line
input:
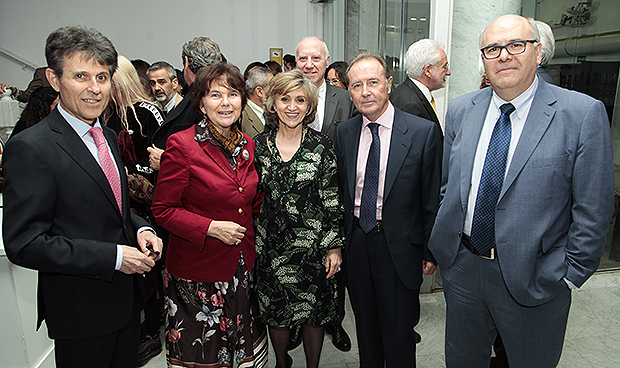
<point x="196" y="185"/>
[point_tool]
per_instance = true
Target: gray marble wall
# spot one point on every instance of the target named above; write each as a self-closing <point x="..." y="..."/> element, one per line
<point x="470" y="17"/>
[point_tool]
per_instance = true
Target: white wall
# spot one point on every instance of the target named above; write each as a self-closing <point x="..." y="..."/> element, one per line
<point x="155" y="30"/>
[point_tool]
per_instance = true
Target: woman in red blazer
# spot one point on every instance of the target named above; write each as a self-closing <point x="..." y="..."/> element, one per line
<point x="205" y="196"/>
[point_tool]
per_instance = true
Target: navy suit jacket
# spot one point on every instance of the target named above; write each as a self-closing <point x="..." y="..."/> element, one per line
<point x="554" y="209"/>
<point x="61" y="218"/>
<point x="408" y="98"/>
<point x="411" y="191"/>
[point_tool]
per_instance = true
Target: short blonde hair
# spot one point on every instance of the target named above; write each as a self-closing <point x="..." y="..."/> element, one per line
<point x="284" y="83"/>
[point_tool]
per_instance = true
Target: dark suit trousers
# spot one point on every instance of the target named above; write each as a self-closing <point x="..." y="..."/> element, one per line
<point x="479" y="306"/>
<point x="385" y="310"/>
<point x="118" y="349"/>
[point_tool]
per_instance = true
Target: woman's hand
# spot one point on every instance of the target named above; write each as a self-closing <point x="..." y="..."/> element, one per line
<point x="230" y="233"/>
<point x="333" y="262"/>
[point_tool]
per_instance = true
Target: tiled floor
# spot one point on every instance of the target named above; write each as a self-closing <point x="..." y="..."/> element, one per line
<point x="592" y="337"/>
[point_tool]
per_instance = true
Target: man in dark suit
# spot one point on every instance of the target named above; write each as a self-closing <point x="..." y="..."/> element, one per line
<point x="528" y="184"/>
<point x="197" y="53"/>
<point x="389" y="165"/>
<point x="335" y="106"/>
<point x="67" y="214"/>
<point x="427" y="70"/>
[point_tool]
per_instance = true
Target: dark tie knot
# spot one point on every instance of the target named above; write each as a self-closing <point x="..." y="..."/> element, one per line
<point x="507" y="108"/>
<point x="374" y="127"/>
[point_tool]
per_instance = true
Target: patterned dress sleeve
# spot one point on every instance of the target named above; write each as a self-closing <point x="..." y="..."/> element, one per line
<point x="333" y="233"/>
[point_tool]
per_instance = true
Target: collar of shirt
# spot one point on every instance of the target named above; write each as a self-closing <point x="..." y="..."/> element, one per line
<point x="385" y="120"/>
<point x="522" y="103"/>
<point x="425" y="91"/>
<point x="172" y="103"/>
<point x="257" y="110"/>
<point x="80" y="127"/>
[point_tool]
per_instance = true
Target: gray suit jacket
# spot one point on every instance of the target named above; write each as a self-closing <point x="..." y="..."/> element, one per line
<point x="338" y="108"/>
<point x="557" y="199"/>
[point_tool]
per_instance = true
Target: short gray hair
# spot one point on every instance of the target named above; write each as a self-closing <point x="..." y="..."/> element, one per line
<point x="420" y="54"/>
<point x="257" y="76"/>
<point x="172" y="73"/>
<point x="547" y="41"/>
<point x="369" y="55"/>
<point x="70" y="40"/>
<point x="201" y="52"/>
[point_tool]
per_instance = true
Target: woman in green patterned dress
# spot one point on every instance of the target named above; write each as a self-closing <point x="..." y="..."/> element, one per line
<point x="299" y="230"/>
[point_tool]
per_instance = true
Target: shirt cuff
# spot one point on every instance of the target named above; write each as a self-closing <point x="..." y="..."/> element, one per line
<point x="146" y="228"/>
<point x="119" y="257"/>
<point x="570" y="284"/>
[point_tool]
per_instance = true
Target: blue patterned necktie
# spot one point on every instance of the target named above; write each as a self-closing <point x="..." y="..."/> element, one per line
<point x="491" y="181"/>
<point x="368" y="206"/>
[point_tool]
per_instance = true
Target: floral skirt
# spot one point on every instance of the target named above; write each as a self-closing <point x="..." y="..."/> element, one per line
<point x="211" y="324"/>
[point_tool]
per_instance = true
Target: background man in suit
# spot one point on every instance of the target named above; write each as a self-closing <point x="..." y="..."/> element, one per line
<point x="252" y="118"/>
<point x="67" y="214"/>
<point x="197" y="53"/>
<point x="527" y="199"/>
<point x="389" y="165"/>
<point x="335" y="106"/>
<point x="162" y="79"/>
<point x="427" y="70"/>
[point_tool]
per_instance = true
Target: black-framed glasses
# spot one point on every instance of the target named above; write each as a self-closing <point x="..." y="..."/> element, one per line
<point x="513" y="48"/>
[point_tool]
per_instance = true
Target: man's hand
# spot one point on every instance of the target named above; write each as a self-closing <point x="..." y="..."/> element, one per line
<point x="333" y="260"/>
<point x="4" y="87"/>
<point x="150" y="244"/>
<point x="155" y="157"/>
<point x="230" y="233"/>
<point x="428" y="267"/>
<point x="135" y="261"/>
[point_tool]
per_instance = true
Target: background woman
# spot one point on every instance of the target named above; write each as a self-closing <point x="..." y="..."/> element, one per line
<point x="298" y="231"/>
<point x="205" y="196"/>
<point x="336" y="74"/>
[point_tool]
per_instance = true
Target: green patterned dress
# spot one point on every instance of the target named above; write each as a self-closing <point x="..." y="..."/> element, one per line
<point x="300" y="220"/>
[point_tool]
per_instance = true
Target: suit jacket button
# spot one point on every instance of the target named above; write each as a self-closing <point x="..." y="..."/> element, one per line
<point x="240" y="210"/>
<point x="240" y="190"/>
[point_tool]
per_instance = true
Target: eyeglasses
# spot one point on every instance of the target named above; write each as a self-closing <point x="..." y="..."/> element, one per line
<point x="333" y="82"/>
<point x="513" y="48"/>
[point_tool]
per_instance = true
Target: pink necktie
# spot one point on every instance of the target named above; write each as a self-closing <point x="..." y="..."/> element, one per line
<point x="107" y="165"/>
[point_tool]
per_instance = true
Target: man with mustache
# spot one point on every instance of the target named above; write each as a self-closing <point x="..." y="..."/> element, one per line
<point x="164" y="82"/>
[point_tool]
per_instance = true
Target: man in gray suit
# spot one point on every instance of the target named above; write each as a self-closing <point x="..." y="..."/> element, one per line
<point x="427" y="70"/>
<point x="526" y="205"/>
<point x="335" y="106"/>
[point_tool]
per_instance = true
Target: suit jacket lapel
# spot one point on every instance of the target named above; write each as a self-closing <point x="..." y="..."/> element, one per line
<point x="399" y="146"/>
<point x="71" y="143"/>
<point x="538" y="120"/>
<point x="425" y="103"/>
<point x="215" y="153"/>
<point x="471" y="126"/>
<point x="351" y="141"/>
<point x="330" y="108"/>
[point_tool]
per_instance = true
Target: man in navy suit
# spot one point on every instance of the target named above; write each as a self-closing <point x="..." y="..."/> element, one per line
<point x="67" y="214"/>
<point x="527" y="194"/>
<point x="427" y="70"/>
<point x="389" y="166"/>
